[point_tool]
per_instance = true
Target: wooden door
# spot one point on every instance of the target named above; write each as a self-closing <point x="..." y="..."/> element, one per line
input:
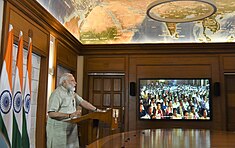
<point x="230" y="97"/>
<point x="108" y="92"/>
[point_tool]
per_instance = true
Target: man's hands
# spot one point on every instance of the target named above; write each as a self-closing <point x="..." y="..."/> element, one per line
<point x="75" y="114"/>
<point x="99" y="110"/>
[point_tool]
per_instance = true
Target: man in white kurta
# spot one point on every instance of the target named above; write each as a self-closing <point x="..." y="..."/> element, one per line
<point x="62" y="105"/>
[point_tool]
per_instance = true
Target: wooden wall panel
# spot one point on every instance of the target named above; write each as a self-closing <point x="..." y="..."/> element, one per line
<point x="230" y="102"/>
<point x="97" y="84"/>
<point x="171" y="66"/>
<point x="229" y="63"/>
<point x="174" y="71"/>
<point x="117" y="100"/>
<point x="107" y="84"/>
<point x="21" y="22"/>
<point x="105" y="64"/>
<point x="168" y="65"/>
<point x="117" y="85"/>
<point x="107" y="100"/>
<point x="66" y="57"/>
<point x="42" y="105"/>
<point x="97" y="99"/>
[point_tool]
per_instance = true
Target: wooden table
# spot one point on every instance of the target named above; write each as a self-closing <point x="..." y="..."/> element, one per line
<point x="168" y="138"/>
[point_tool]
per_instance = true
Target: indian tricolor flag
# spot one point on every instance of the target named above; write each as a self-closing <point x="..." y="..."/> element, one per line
<point x="27" y="99"/>
<point x="6" y="90"/>
<point x="17" y="97"/>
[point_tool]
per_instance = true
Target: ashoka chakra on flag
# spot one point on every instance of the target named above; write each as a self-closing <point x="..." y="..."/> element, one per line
<point x="17" y="102"/>
<point x="5" y="101"/>
<point x="27" y="103"/>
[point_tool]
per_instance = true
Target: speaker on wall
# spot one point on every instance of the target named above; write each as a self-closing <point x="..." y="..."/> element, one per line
<point x="132" y="88"/>
<point x="217" y="89"/>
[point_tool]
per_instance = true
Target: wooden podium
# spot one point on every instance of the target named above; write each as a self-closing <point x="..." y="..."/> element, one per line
<point x="90" y="122"/>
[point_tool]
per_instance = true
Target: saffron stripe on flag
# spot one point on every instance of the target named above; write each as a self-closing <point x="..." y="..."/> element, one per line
<point x="17" y="96"/>
<point x="27" y="99"/>
<point x="6" y="90"/>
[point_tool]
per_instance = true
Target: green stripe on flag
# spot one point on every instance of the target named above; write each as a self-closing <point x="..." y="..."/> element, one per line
<point x="4" y="130"/>
<point x="25" y="136"/>
<point x="16" y="138"/>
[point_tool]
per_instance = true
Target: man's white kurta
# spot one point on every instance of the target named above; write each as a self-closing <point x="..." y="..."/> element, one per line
<point x="62" y="134"/>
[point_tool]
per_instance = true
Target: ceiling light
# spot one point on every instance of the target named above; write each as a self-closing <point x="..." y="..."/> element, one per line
<point x="180" y="11"/>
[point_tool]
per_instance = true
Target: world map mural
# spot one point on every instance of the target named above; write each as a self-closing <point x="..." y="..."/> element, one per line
<point x="126" y="22"/>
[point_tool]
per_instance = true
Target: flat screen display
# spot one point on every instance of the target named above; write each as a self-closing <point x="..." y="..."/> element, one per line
<point x="175" y="99"/>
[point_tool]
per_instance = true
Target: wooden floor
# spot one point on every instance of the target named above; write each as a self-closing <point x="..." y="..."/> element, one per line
<point x="168" y="138"/>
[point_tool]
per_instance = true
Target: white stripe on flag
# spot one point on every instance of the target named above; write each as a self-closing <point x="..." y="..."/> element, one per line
<point x="17" y="97"/>
<point x="6" y="89"/>
<point x="27" y="99"/>
<point x="6" y="101"/>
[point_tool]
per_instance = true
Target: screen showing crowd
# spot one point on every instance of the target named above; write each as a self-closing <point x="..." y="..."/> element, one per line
<point x="182" y="99"/>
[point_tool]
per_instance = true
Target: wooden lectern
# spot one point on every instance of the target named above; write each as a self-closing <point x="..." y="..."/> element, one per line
<point x="91" y="120"/>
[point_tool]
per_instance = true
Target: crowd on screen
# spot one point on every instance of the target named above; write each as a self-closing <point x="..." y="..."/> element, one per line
<point x="174" y="101"/>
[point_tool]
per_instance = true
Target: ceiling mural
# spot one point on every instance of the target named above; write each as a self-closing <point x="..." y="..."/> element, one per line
<point x="127" y="22"/>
